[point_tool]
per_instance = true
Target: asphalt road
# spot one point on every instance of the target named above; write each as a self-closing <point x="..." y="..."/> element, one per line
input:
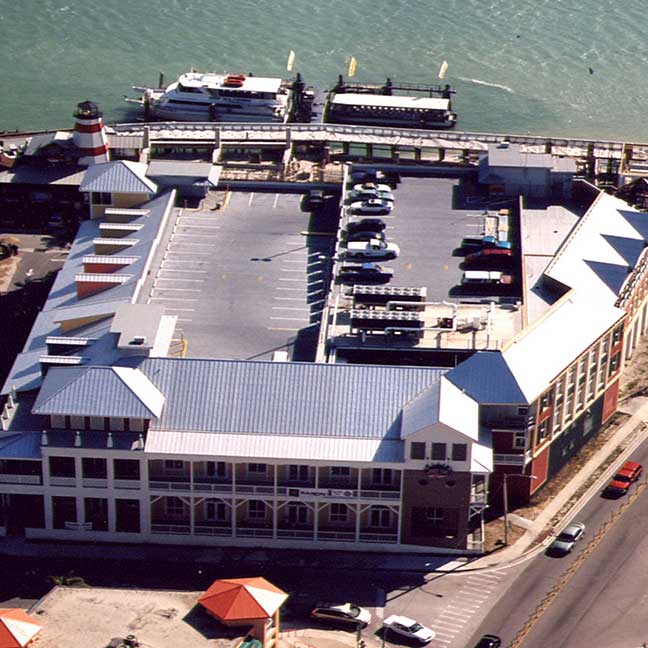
<point x="606" y="601"/>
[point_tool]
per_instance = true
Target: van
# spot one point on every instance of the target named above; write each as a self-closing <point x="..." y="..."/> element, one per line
<point x="485" y="277"/>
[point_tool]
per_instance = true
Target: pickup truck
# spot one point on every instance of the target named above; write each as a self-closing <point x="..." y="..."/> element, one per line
<point x="474" y="244"/>
<point x="371" y="249"/>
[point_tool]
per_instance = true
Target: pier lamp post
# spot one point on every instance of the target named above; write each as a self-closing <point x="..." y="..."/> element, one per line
<point x="506" y="502"/>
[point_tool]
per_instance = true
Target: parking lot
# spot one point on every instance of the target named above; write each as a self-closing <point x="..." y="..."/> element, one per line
<point x="248" y="279"/>
<point x="430" y="218"/>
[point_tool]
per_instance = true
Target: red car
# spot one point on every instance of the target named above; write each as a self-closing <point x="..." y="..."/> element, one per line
<point x="628" y="473"/>
<point x="488" y="254"/>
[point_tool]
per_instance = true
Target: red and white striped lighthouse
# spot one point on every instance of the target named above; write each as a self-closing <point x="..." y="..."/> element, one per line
<point x="89" y="134"/>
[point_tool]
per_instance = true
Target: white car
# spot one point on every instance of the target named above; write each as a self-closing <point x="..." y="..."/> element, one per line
<point x="409" y="628"/>
<point x="371" y="206"/>
<point x="372" y="186"/>
<point x="371" y="249"/>
<point x="369" y="194"/>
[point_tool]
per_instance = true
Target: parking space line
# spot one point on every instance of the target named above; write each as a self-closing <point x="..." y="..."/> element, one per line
<point x="289" y="289"/>
<point x="300" y="270"/>
<point x="187" y="243"/>
<point x="294" y="319"/>
<point x="192" y="254"/>
<point x="181" y="319"/>
<point x="286" y="279"/>
<point x="174" y="299"/>
<point x="182" y="270"/>
<point x="455" y="627"/>
<point x="284" y="330"/>
<point x="179" y="279"/>
<point x="458" y="613"/>
<point x="297" y="299"/>
<point x="181" y="310"/>
<point x="290" y="308"/>
<point x="184" y="290"/>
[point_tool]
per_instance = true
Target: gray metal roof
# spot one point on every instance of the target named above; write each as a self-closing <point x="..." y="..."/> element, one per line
<point x="121" y="176"/>
<point x="41" y="174"/>
<point x="487" y="378"/>
<point x="98" y="391"/>
<point x="178" y="168"/>
<point x="276" y="398"/>
<point x="510" y="155"/>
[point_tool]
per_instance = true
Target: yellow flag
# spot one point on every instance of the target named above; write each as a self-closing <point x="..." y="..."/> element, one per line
<point x="291" y="60"/>
<point x="352" y="66"/>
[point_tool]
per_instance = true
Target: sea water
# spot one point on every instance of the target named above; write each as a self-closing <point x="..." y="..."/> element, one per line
<point x="572" y="68"/>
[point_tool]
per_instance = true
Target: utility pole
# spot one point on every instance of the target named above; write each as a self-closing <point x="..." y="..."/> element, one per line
<point x="505" y="511"/>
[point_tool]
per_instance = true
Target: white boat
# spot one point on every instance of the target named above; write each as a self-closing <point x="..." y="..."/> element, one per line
<point x="206" y="96"/>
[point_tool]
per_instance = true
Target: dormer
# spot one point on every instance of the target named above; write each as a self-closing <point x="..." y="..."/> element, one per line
<point x="104" y="264"/>
<point x="91" y="284"/>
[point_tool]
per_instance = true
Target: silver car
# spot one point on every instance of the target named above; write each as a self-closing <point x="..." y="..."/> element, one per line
<point x="566" y="539"/>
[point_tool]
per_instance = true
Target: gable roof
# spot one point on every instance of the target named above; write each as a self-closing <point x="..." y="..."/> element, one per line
<point x="487" y="378"/>
<point x="98" y="391"/>
<point x="121" y="176"/>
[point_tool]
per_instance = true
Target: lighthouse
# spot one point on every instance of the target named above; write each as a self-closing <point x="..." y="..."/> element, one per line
<point x="89" y="135"/>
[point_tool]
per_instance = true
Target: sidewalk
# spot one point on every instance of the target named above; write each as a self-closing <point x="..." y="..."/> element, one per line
<point x="573" y="496"/>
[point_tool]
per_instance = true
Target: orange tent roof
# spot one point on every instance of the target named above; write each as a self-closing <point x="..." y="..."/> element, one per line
<point x="241" y="599"/>
<point x="17" y="628"/>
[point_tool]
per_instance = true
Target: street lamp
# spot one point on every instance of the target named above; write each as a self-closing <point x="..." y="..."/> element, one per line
<point x="506" y="502"/>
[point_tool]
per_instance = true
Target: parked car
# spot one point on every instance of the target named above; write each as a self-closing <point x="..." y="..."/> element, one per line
<point x="363" y="235"/>
<point x="56" y="221"/>
<point x="368" y="175"/>
<point x="364" y="224"/>
<point x="371" y="249"/>
<point x="489" y="641"/>
<point x="489" y="277"/>
<point x="490" y="254"/>
<point x="628" y="473"/>
<point x="372" y="186"/>
<point x="368" y="194"/>
<point x="313" y="200"/>
<point x="346" y="613"/>
<point x="409" y="628"/>
<point x="566" y="539"/>
<point x="371" y="206"/>
<point x="365" y="273"/>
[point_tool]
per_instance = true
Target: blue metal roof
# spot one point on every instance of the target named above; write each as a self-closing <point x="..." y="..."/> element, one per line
<point x="487" y="378"/>
<point x="92" y="391"/>
<point x="276" y="398"/>
<point x="21" y="446"/>
<point x="118" y="177"/>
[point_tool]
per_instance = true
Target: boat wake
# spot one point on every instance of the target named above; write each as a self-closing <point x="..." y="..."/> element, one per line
<point x="490" y="85"/>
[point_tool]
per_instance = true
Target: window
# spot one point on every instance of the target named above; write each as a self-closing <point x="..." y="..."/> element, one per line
<point x="438" y="451"/>
<point x="543" y="430"/>
<point x="434" y="515"/>
<point x="173" y="465"/>
<point x="617" y="334"/>
<point x="339" y="513"/>
<point x="459" y="451"/>
<point x="417" y="450"/>
<point x="523" y="411"/>
<point x="216" y="511"/>
<point x="216" y="469"/>
<point x="545" y="401"/>
<point x="62" y="467"/>
<point x="298" y="473"/>
<point x="256" y="509"/>
<point x="174" y="507"/>
<point x="94" y="468"/>
<point x="381" y="476"/>
<point x="297" y="514"/>
<point x="615" y="363"/>
<point x="257" y="468"/>
<point x="58" y="421"/>
<point x="380" y="516"/>
<point x="101" y="198"/>
<point x="340" y="471"/>
<point x="519" y="440"/>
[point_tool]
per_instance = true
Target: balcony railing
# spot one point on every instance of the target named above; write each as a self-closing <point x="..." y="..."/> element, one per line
<point x="336" y="536"/>
<point x="171" y="529"/>
<point x="62" y="481"/>
<point x="131" y="484"/>
<point x="95" y="482"/>
<point x="508" y="459"/>
<point x="379" y="537"/>
<point x="209" y="530"/>
<point x="21" y="479"/>
<point x="307" y="534"/>
<point x="243" y="532"/>
<point x="170" y="485"/>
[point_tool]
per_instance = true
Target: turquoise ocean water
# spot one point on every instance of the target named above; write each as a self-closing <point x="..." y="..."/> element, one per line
<point x="560" y="67"/>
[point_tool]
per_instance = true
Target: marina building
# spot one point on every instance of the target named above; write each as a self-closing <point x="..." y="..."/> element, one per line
<point x="419" y="399"/>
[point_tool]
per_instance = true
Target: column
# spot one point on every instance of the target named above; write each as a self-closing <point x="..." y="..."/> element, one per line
<point x="145" y="498"/>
